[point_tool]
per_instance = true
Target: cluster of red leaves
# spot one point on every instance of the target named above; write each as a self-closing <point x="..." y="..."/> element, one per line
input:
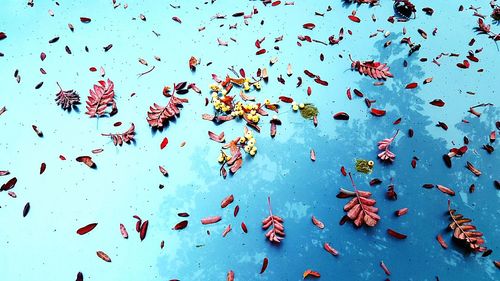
<point x="158" y="116"/>
<point x="236" y="160"/>
<point x="100" y="98"/>
<point x="125" y="137"/>
<point x="360" y="209"/>
<point x="384" y="145"/>
<point x="464" y="231"/>
<point x="67" y="99"/>
<point x="375" y="70"/>
<point x="276" y="232"/>
<point x="484" y="28"/>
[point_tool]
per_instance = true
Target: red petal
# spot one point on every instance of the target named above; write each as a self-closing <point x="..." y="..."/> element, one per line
<point x="377" y="112"/>
<point x="86" y="229"/>
<point x="411" y="85"/>
<point x="163" y="143"/>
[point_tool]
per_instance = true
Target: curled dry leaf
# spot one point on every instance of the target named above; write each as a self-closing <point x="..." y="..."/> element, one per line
<point x="87" y="160"/>
<point x="330" y="249"/>
<point x="311" y="273"/>
<point x="217" y="138"/>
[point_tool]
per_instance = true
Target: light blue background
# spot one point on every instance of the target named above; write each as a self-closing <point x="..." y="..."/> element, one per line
<point x="44" y="245"/>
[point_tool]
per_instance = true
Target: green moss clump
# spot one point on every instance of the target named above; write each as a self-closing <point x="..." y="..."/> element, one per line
<point x="309" y="111"/>
<point x="364" y="166"/>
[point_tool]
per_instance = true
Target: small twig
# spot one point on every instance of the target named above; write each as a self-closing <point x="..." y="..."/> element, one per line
<point x="144" y="73"/>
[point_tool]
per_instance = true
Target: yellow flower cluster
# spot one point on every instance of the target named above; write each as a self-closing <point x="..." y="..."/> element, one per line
<point x="249" y="142"/>
<point x="223" y="157"/>
<point x="296" y="106"/>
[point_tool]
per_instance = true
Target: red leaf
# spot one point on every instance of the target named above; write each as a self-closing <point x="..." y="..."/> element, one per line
<point x="43" y="166"/>
<point x="348" y="93"/>
<point x="286" y="99"/>
<point x="313" y="155"/>
<point x="384" y="267"/>
<point x="180" y="225"/>
<point x="321" y="82"/>
<point x="437" y="102"/>
<point x="317" y="222"/>
<point x="143" y="230"/>
<point x="211" y="220"/>
<point x="311" y="273"/>
<point x="377" y="112"/>
<point x="244" y="227"/>
<point x="163" y="171"/>
<point x="411" y="85"/>
<point x="358" y="93"/>
<point x="226" y="231"/>
<point x="401" y="212"/>
<point x="230" y="276"/>
<point x="123" y="231"/>
<point x="85" y="20"/>
<point x="341" y="116"/>
<point x="445" y="189"/>
<point x="103" y="256"/>
<point x="3" y="35"/>
<point x="441" y="241"/>
<point x="464" y="64"/>
<point x="330" y="249"/>
<point x="226" y="201"/>
<point x="163" y="143"/>
<point x="397" y="121"/>
<point x="86" y="229"/>
<point x="265" y="262"/>
<point x="215" y="137"/>
<point x="260" y="52"/>
<point x="396" y="234"/>
<point x="342" y="170"/>
<point x="309" y="26"/>
<point x="354" y="18"/>
<point x="236" y="210"/>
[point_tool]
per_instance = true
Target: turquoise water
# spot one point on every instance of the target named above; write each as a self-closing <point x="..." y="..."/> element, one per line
<point x="69" y="195"/>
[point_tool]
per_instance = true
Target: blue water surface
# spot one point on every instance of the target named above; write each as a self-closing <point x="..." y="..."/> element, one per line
<point x="44" y="245"/>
